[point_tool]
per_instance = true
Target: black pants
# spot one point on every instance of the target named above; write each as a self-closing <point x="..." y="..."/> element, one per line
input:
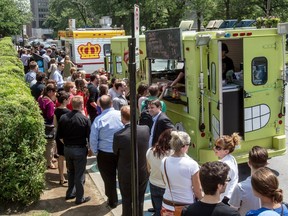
<point x="107" y="164"/>
<point x="125" y="189"/>
<point x="76" y="159"/>
<point x="92" y="112"/>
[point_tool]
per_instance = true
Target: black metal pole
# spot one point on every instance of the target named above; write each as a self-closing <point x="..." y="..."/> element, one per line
<point x="133" y="105"/>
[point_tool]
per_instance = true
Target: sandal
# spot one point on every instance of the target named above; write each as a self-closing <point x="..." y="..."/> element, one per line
<point x="62" y="182"/>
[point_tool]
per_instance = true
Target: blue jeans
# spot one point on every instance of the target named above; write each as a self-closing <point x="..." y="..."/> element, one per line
<point x="157" y="198"/>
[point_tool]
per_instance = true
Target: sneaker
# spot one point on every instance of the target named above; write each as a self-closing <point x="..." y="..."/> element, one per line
<point x="84" y="200"/>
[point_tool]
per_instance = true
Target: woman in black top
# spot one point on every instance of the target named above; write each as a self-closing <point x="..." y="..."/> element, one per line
<point x="63" y="99"/>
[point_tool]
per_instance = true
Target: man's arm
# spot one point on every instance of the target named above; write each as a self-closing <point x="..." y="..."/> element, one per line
<point x="94" y="136"/>
<point x="92" y="95"/>
<point x="115" y="144"/>
<point x="116" y="104"/>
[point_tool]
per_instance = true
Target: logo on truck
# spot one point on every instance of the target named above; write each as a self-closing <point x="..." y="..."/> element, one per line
<point x="89" y="51"/>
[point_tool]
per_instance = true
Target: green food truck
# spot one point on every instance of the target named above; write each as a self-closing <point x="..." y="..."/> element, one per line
<point x="211" y="101"/>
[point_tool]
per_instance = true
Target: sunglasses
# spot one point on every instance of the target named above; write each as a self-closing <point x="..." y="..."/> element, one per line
<point x="189" y="144"/>
<point x="218" y="148"/>
<point x="228" y="179"/>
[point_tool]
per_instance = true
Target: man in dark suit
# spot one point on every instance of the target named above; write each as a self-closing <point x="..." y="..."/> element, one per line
<point x="122" y="148"/>
<point x="161" y="121"/>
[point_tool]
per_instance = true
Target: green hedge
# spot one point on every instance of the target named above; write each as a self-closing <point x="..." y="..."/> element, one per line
<point x="22" y="146"/>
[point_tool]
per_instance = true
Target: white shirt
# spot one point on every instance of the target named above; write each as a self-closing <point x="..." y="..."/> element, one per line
<point x="180" y="171"/>
<point x="243" y="197"/>
<point x="154" y="162"/>
<point x="58" y="78"/>
<point x="233" y="174"/>
<point x="112" y="93"/>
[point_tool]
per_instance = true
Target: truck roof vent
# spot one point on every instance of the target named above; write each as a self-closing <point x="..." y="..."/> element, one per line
<point x="186" y="25"/>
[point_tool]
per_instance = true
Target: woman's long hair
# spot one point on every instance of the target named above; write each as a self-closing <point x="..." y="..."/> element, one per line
<point x="162" y="145"/>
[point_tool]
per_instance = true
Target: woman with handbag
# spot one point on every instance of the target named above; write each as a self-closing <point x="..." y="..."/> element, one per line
<point x="154" y="157"/>
<point x="181" y="175"/>
<point x="63" y="99"/>
<point x="47" y="106"/>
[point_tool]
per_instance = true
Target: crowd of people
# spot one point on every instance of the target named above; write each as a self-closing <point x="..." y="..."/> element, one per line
<point x="93" y="118"/>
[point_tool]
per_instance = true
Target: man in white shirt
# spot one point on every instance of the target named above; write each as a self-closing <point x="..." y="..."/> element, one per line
<point x="46" y="60"/>
<point x="30" y="77"/>
<point x="242" y="197"/>
<point x="120" y="99"/>
<point x="57" y="75"/>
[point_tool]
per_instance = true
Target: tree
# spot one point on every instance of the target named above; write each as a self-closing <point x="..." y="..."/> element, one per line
<point x="13" y="16"/>
<point x="79" y="10"/>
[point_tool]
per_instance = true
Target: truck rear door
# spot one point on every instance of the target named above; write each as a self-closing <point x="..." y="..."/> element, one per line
<point x="261" y="91"/>
<point x="215" y="104"/>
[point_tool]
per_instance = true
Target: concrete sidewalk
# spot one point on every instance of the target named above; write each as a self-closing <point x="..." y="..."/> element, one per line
<point x="94" y="173"/>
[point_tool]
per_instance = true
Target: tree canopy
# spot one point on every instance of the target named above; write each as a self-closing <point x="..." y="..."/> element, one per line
<point x="160" y="13"/>
<point x="14" y="14"/>
<point x="153" y="13"/>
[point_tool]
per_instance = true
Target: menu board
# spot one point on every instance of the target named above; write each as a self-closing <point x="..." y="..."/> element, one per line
<point x="164" y="44"/>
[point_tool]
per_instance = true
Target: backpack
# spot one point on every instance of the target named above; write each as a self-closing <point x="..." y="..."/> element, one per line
<point x="145" y="118"/>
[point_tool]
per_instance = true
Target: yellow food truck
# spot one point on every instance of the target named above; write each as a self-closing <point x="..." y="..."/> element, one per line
<point x="87" y="48"/>
<point x="120" y="59"/>
<point x="248" y="99"/>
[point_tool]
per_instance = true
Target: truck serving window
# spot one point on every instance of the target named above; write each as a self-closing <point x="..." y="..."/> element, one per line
<point x="259" y="71"/>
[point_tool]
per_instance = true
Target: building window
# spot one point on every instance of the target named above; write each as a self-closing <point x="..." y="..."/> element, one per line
<point x="259" y="71"/>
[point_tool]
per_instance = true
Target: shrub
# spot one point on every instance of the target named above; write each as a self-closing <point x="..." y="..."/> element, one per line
<point x="22" y="137"/>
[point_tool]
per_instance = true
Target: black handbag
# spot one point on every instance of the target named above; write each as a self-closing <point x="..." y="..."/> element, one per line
<point x="49" y="132"/>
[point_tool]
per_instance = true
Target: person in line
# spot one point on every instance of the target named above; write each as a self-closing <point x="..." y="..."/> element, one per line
<point x="181" y="175"/>
<point x="70" y="88"/>
<point x="57" y="75"/>
<point x="120" y="99"/>
<point x="30" y="77"/>
<point x="82" y="91"/>
<point x="266" y="186"/>
<point x="153" y="92"/>
<point x="101" y="142"/>
<point x="122" y="149"/>
<point x="73" y="74"/>
<point x="223" y="148"/>
<point x="112" y="91"/>
<point x="214" y="179"/>
<point x="46" y="61"/>
<point x="73" y="130"/>
<point x="242" y="197"/>
<point x="93" y="96"/>
<point x="142" y="95"/>
<point x="103" y="79"/>
<point x="154" y="157"/>
<point x="67" y="66"/>
<point x="38" y="87"/>
<point x="52" y="68"/>
<point x="25" y="58"/>
<point x="63" y="99"/>
<point x="161" y="121"/>
<point x="103" y="90"/>
<point x="47" y="106"/>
